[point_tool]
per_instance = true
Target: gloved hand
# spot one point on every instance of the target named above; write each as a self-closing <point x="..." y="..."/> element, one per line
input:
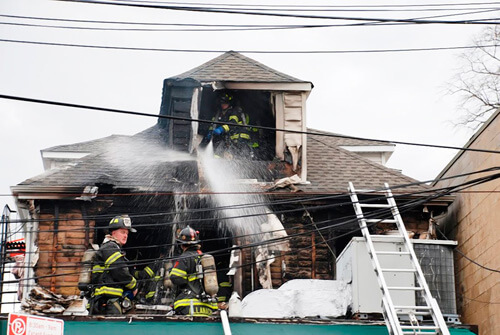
<point x="219" y="130"/>
<point x="208" y="137"/>
<point x="128" y="294"/>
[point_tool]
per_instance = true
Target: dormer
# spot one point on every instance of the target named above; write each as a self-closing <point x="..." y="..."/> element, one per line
<point x="270" y="99"/>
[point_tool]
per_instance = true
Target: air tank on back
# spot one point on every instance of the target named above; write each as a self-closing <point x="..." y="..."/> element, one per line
<point x="209" y="275"/>
<point x="86" y="270"/>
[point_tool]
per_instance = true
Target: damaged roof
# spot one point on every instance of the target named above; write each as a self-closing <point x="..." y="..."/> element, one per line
<point x="233" y="66"/>
<point x="330" y="168"/>
<point x="87" y="146"/>
<point x="142" y="162"/>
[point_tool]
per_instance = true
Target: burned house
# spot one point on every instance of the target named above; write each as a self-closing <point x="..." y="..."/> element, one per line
<point x="291" y="195"/>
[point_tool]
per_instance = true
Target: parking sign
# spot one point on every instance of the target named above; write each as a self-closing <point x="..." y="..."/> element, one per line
<point x="24" y="324"/>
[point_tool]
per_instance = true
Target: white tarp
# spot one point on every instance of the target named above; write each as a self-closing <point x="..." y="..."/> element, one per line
<point x="299" y="298"/>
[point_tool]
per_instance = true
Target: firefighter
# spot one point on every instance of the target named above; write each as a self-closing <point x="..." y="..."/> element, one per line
<point x="190" y="298"/>
<point x="230" y="140"/>
<point x="113" y="285"/>
<point x="149" y="279"/>
<point x="225" y="285"/>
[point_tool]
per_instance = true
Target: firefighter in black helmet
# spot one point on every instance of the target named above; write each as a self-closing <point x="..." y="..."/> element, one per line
<point x="228" y="139"/>
<point x="189" y="299"/>
<point x="113" y="284"/>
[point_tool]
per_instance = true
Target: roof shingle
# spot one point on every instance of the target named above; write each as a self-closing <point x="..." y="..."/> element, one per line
<point x="233" y="66"/>
<point x="142" y="162"/>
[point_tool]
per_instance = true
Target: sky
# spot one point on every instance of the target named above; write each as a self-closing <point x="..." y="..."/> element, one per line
<point x="399" y="96"/>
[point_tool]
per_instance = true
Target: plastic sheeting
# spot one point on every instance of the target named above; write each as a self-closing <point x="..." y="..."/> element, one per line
<point x="299" y="298"/>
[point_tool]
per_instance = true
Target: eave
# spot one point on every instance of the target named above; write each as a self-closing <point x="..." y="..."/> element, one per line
<point x="27" y="192"/>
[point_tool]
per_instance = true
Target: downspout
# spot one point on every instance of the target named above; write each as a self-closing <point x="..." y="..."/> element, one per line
<point x="313" y="256"/>
<point x="54" y="248"/>
<point x="303" y="158"/>
<point x="29" y="216"/>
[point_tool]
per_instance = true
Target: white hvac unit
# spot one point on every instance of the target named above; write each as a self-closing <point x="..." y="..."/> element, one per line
<point x="354" y="266"/>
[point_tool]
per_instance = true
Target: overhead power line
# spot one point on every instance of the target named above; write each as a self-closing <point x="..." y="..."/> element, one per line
<point x="249" y="51"/>
<point x="403" y="208"/>
<point x="271" y="241"/>
<point x="212" y="27"/>
<point x="112" y="110"/>
<point x="462" y="4"/>
<point x="424" y="195"/>
<point x="192" y="27"/>
<point x="302" y="16"/>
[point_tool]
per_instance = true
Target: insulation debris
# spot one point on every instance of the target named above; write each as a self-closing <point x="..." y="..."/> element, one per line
<point x="287" y="182"/>
<point x="43" y="302"/>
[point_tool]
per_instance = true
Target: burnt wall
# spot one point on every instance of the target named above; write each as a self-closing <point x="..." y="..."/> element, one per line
<point x="62" y="240"/>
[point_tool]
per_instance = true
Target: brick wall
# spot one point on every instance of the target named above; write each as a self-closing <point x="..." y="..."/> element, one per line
<point x="60" y="252"/>
<point x="473" y="221"/>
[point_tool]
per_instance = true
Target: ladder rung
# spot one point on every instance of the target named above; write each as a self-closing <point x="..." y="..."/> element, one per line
<point x="403" y="288"/>
<point x="381" y="221"/>
<point x="398" y="270"/>
<point x="375" y="205"/>
<point x="392" y="252"/>
<point x="413" y="307"/>
<point x="420" y="327"/>
<point x="392" y="313"/>
<point x="369" y="191"/>
<point x="414" y="313"/>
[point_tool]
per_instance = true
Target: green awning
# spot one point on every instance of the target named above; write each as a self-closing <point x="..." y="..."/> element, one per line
<point x="122" y="327"/>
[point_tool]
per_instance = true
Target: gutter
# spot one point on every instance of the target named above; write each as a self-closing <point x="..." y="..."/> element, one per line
<point x="27" y="192"/>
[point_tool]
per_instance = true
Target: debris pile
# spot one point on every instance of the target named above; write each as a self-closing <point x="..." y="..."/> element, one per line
<point x="44" y="302"/>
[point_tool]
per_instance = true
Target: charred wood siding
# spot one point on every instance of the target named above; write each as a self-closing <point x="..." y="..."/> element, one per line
<point x="176" y="102"/>
<point x="309" y="256"/>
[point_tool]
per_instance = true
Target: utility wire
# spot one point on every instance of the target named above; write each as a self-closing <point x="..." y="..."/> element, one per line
<point x="376" y="213"/>
<point x="342" y="220"/>
<point x="208" y="27"/>
<point x="247" y="51"/>
<point x="298" y="200"/>
<point x="467" y="257"/>
<point x="332" y="6"/>
<point x="171" y="117"/>
<point x="220" y="218"/>
<point x="231" y="11"/>
<point x="325" y="8"/>
<point x="148" y="262"/>
<point x="402" y="207"/>
<point x="143" y="262"/>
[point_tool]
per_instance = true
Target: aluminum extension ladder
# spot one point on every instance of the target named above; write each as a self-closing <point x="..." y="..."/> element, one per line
<point x="394" y="314"/>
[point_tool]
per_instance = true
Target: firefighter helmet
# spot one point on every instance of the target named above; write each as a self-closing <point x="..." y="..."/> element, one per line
<point x="188" y="236"/>
<point x="121" y="221"/>
<point x="226" y="98"/>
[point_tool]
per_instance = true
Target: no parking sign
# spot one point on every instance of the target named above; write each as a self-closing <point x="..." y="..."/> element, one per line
<point x="24" y="324"/>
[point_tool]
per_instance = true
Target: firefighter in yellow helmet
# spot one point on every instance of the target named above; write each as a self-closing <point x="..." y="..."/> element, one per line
<point x="190" y="298"/>
<point x="113" y="284"/>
